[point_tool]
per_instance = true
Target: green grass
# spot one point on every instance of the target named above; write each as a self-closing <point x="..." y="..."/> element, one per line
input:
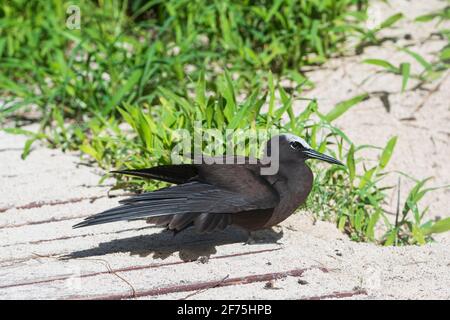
<point x="119" y="88"/>
<point x="430" y="69"/>
<point x="141" y="45"/>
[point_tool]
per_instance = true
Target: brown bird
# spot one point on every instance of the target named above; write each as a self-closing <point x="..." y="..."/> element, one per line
<point x="211" y="197"/>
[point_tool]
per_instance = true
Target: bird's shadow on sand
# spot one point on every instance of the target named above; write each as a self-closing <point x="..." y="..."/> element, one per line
<point x="188" y="244"/>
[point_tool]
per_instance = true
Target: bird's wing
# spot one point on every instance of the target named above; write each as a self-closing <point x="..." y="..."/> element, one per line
<point x="243" y="179"/>
<point x="177" y="174"/>
<point x="183" y="173"/>
<point x="193" y="197"/>
<point x="238" y="174"/>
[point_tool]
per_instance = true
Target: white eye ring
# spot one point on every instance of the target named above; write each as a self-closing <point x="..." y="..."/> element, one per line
<point x="295" y="145"/>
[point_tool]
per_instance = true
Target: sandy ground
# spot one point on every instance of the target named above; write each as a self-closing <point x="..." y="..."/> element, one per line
<point x="41" y="255"/>
<point x="419" y="117"/>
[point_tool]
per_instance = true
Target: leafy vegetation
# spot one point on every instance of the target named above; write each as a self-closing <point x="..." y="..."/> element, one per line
<point x="119" y="89"/>
<point x="431" y="69"/>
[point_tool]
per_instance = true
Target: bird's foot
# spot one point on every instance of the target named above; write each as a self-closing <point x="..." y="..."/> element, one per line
<point x="263" y="236"/>
<point x="251" y="239"/>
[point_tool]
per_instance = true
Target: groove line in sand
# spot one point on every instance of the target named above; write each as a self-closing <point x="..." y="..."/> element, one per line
<point x="203" y="285"/>
<point x="133" y="268"/>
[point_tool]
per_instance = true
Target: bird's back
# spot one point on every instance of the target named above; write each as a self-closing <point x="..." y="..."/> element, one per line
<point x="208" y="197"/>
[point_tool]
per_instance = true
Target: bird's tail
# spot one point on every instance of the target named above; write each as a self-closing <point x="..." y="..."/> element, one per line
<point x="163" y="202"/>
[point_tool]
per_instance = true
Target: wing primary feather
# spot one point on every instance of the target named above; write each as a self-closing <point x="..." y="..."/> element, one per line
<point x="193" y="197"/>
<point x="170" y="173"/>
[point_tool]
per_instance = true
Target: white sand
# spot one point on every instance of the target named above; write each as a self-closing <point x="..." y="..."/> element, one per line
<point x="41" y="256"/>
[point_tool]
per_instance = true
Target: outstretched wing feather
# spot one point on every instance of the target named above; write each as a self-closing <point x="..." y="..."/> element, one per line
<point x="193" y="197"/>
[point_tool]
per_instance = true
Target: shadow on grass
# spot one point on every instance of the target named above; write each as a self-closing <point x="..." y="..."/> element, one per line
<point x="188" y="244"/>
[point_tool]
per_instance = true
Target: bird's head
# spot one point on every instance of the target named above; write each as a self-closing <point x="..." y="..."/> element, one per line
<point x="293" y="148"/>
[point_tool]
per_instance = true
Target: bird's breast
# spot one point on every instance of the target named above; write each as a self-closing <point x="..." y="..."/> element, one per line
<point x="293" y="192"/>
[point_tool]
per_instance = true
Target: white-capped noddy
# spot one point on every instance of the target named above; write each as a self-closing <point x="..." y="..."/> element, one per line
<point x="213" y="196"/>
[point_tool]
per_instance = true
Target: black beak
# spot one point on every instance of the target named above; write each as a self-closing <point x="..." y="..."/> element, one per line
<point x="313" y="154"/>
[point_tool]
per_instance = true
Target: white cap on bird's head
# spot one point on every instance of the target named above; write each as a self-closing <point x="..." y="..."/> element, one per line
<point x="288" y="147"/>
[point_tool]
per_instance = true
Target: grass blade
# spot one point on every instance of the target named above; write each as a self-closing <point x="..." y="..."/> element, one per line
<point x="382" y="63"/>
<point x="439" y="226"/>
<point x="389" y="22"/>
<point x="387" y="152"/>
<point x="405" y="70"/>
<point x="344" y="106"/>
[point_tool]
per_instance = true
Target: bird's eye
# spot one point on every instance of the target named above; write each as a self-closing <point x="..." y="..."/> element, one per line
<point x="296" y="145"/>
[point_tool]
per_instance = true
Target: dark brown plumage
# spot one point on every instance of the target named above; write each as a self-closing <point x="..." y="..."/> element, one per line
<point x="211" y="197"/>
